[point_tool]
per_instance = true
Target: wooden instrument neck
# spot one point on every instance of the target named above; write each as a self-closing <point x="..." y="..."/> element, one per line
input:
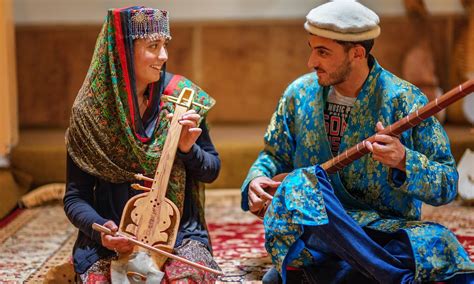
<point x="165" y="165"/>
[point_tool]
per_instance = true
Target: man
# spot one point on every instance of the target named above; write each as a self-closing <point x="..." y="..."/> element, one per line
<point x="363" y="223"/>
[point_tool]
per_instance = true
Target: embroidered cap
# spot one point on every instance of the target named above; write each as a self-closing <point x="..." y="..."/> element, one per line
<point x="149" y="23"/>
<point x="345" y="20"/>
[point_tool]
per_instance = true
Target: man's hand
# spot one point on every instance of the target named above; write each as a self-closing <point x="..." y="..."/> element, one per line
<point x="117" y="244"/>
<point x="258" y="193"/>
<point x="190" y="132"/>
<point x="387" y="149"/>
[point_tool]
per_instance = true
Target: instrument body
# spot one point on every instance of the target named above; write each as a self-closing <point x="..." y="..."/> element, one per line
<point x="150" y="217"/>
<point x="150" y="220"/>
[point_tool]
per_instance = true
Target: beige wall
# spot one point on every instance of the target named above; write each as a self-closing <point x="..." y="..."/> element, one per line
<point x="243" y="52"/>
<point x="245" y="65"/>
<point x="8" y="89"/>
<point x="92" y="11"/>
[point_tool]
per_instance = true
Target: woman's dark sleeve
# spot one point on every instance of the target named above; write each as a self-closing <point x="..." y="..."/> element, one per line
<point x="202" y="161"/>
<point x="79" y="198"/>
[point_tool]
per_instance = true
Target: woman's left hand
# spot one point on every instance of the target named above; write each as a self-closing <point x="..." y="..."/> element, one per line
<point x="190" y="132"/>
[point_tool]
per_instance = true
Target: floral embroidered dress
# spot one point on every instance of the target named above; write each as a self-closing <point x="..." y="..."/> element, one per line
<point x="296" y="141"/>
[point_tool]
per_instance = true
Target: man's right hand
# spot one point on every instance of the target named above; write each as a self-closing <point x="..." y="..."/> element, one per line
<point x="259" y="194"/>
<point x="117" y="244"/>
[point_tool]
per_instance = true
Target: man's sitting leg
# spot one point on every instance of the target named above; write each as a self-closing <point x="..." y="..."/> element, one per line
<point x="343" y="237"/>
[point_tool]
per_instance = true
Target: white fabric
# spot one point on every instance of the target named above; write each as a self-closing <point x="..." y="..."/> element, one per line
<point x="140" y="263"/>
<point x="335" y="97"/>
<point x="468" y="107"/>
<point x="466" y="176"/>
<point x="344" y="20"/>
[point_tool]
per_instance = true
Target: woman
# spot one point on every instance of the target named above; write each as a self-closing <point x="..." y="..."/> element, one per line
<point x="118" y="127"/>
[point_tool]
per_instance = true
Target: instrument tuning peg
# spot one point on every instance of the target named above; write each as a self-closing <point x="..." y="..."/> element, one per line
<point x="136" y="186"/>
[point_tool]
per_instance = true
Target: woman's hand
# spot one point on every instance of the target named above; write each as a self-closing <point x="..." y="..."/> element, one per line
<point x="117" y="244"/>
<point x="387" y="149"/>
<point x="190" y="132"/>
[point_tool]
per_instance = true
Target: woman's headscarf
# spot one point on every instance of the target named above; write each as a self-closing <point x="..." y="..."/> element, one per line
<point x="106" y="137"/>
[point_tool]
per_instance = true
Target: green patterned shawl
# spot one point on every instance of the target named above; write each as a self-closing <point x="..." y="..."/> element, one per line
<point x="102" y="138"/>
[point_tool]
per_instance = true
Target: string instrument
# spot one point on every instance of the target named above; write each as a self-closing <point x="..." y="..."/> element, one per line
<point x="150" y="220"/>
<point x="359" y="150"/>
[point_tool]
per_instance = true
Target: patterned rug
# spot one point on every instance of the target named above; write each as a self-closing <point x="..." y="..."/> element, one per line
<point x="36" y="240"/>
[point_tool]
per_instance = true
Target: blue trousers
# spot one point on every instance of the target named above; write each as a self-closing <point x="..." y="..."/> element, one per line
<point x="343" y="252"/>
<point x="347" y="251"/>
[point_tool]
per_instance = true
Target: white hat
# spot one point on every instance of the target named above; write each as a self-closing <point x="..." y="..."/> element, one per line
<point x="345" y="20"/>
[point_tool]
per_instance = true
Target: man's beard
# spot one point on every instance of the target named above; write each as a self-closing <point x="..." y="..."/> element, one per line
<point x="338" y="76"/>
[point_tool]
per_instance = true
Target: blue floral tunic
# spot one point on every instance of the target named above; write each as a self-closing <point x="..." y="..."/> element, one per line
<point x="296" y="141"/>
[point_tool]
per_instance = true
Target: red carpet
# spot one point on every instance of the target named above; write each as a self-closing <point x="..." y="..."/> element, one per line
<point x="33" y="241"/>
<point x="466" y="238"/>
<point x="235" y="240"/>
